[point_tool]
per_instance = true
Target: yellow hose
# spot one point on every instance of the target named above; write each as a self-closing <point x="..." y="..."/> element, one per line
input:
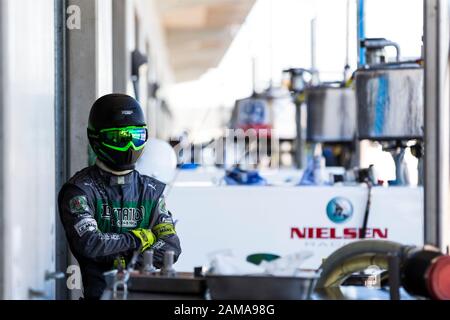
<point x="359" y="263"/>
<point x="355" y="257"/>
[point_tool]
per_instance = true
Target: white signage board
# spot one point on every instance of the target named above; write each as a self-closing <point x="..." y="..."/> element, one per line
<point x="285" y="220"/>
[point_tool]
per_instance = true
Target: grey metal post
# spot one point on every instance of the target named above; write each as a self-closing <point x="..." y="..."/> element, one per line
<point x="121" y="54"/>
<point x="2" y="224"/>
<point x="314" y="44"/>
<point x="81" y="77"/>
<point x="298" y="141"/>
<point x="361" y="31"/>
<point x="61" y="140"/>
<point x="437" y="122"/>
<point x="81" y="80"/>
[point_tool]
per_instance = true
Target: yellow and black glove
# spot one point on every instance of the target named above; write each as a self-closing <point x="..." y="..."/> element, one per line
<point x="163" y="229"/>
<point x="146" y="237"/>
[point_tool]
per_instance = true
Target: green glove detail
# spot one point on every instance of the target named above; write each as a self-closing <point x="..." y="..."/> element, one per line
<point x="146" y="237"/>
<point x="120" y="261"/>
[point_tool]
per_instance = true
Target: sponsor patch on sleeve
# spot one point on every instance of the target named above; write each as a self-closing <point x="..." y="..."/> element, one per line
<point x="165" y="219"/>
<point x="78" y="204"/>
<point x="107" y="237"/>
<point x="85" y="225"/>
<point x="158" y="245"/>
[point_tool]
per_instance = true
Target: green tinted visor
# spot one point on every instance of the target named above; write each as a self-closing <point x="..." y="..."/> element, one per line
<point x="122" y="139"/>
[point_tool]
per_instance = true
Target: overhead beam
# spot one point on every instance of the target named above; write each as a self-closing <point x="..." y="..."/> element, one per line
<point x="199" y="32"/>
<point x="170" y="5"/>
<point x="214" y="15"/>
<point x="187" y="37"/>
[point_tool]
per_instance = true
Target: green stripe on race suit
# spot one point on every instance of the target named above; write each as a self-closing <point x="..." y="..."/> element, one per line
<point x="112" y="217"/>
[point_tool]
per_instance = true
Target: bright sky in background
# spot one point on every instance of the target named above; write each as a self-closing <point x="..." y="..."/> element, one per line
<point x="277" y="35"/>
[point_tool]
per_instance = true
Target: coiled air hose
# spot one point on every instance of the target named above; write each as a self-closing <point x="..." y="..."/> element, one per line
<point x="355" y="257"/>
<point x="423" y="272"/>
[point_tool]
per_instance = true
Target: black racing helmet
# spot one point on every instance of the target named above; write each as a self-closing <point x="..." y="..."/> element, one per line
<point x="117" y="131"/>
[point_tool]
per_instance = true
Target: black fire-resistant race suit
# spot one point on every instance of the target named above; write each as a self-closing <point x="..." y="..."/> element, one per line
<point x="98" y="209"/>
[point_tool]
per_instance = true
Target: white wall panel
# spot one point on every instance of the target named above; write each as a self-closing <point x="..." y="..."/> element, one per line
<point x="104" y="46"/>
<point x="28" y="131"/>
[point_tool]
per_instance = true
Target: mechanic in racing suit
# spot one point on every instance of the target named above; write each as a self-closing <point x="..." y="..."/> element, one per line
<point x="108" y="210"/>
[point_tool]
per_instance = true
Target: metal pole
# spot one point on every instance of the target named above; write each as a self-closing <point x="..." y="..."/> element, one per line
<point x="347" y="43"/>
<point x="394" y="276"/>
<point x="254" y="74"/>
<point x="61" y="140"/>
<point x="313" y="44"/>
<point x="437" y="122"/>
<point x="121" y="54"/>
<point x="82" y="67"/>
<point x="361" y="25"/>
<point x="2" y="143"/>
<point x="82" y="88"/>
<point x="299" y="144"/>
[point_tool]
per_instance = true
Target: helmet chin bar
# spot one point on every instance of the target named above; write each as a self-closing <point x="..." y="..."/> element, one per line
<point x="124" y="160"/>
<point x="115" y="169"/>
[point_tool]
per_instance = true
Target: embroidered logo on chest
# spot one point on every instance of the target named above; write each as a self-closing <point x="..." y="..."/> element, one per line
<point x="123" y="217"/>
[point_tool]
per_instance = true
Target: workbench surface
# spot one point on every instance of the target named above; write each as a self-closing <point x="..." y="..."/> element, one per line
<point x="341" y="293"/>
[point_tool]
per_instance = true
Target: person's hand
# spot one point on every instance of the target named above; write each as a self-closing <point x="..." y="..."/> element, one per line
<point x="145" y="236"/>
